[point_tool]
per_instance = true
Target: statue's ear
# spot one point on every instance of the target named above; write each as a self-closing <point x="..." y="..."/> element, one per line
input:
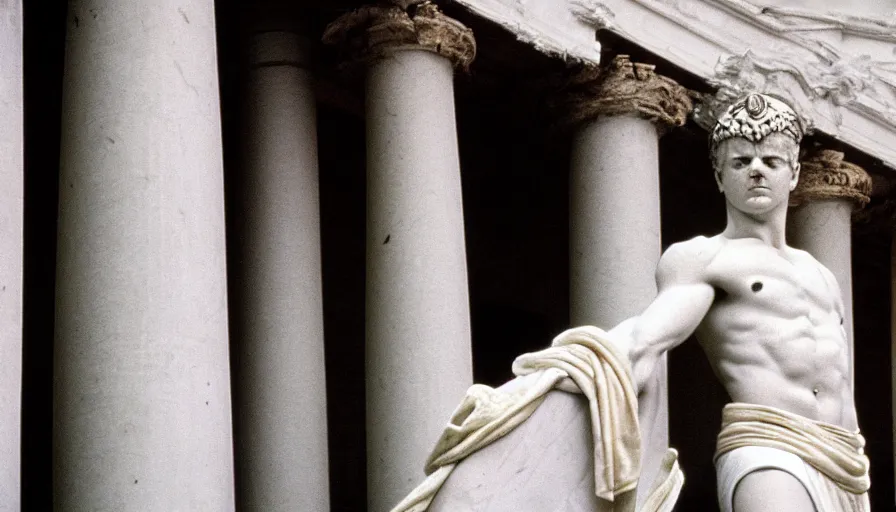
<point x="796" y="176"/>
<point x="718" y="176"/>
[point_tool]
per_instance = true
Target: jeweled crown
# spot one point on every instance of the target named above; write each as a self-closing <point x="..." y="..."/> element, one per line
<point x="754" y="117"/>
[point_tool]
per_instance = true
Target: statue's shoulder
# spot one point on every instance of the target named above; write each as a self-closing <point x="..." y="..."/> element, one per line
<point x="807" y="260"/>
<point x="689" y="260"/>
<point x="700" y="249"/>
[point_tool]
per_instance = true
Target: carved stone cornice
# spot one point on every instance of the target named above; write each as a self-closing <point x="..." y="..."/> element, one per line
<point x="825" y="175"/>
<point x="624" y="88"/>
<point x="837" y="70"/>
<point x="549" y="26"/>
<point x="371" y="32"/>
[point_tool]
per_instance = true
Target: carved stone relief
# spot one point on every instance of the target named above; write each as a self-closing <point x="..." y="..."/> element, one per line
<point x="837" y="69"/>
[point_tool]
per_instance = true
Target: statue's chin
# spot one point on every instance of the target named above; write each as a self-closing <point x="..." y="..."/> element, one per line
<point x="756" y="205"/>
<point x="759" y="202"/>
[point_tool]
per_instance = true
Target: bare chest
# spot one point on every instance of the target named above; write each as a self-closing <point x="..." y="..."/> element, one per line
<point x="774" y="319"/>
<point x="765" y="281"/>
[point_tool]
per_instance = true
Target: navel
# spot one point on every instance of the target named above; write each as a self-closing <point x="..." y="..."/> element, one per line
<point x="756" y="286"/>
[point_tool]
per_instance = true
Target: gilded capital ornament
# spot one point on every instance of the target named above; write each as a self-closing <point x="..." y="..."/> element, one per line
<point x="825" y="175"/>
<point x="625" y="88"/>
<point x="372" y="32"/>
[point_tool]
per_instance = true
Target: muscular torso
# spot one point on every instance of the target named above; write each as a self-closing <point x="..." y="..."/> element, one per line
<point x="774" y="333"/>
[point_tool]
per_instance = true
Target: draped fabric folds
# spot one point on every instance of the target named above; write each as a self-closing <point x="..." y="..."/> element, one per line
<point x="581" y="360"/>
<point x="827" y="459"/>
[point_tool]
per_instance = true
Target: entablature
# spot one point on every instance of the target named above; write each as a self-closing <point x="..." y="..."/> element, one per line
<point x="837" y="69"/>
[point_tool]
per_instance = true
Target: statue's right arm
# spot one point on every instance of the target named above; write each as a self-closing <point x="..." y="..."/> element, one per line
<point x="683" y="298"/>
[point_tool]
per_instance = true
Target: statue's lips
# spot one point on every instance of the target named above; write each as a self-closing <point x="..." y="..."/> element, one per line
<point x="759" y="187"/>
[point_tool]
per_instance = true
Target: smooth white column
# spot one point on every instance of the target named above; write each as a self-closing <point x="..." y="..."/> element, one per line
<point x="418" y="324"/>
<point x="615" y="247"/>
<point x="11" y="240"/>
<point x="283" y="409"/>
<point x="142" y="385"/>
<point x="823" y="228"/>
<point x="614" y="219"/>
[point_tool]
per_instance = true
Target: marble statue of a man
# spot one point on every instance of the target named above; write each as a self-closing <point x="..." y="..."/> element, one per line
<point x="770" y="320"/>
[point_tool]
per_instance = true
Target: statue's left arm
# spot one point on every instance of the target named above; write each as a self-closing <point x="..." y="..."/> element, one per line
<point x="683" y="298"/>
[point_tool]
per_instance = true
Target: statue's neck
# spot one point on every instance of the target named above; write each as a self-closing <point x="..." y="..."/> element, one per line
<point x="768" y="227"/>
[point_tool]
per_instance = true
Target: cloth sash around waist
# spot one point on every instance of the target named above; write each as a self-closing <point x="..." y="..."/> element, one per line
<point x="834" y="451"/>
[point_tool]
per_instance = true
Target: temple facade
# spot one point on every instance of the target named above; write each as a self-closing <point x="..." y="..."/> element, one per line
<point x="252" y="253"/>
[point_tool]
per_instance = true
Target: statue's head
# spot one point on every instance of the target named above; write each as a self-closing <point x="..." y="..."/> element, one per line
<point x="755" y="153"/>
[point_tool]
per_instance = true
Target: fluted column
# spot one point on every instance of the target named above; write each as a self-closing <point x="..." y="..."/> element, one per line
<point x="615" y="213"/>
<point x="282" y="410"/>
<point x="820" y="222"/>
<point x="142" y="384"/>
<point x="11" y="240"/>
<point x="418" y="323"/>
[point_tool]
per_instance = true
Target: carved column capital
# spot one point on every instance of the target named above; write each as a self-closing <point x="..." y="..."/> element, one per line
<point x="622" y="88"/>
<point x="371" y="32"/>
<point x="825" y="175"/>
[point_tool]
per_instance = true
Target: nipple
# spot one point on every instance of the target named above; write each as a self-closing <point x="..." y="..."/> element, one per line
<point x="756" y="286"/>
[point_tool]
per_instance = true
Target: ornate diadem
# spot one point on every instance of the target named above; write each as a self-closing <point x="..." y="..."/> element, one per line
<point x="754" y="117"/>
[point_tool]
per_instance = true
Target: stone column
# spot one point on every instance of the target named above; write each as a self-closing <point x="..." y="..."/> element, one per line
<point x="142" y="383"/>
<point x="282" y="411"/>
<point x="615" y="213"/>
<point x="11" y="240"/>
<point x="820" y="221"/>
<point x="418" y="324"/>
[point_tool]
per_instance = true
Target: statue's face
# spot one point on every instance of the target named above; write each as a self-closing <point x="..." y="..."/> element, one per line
<point x="757" y="177"/>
